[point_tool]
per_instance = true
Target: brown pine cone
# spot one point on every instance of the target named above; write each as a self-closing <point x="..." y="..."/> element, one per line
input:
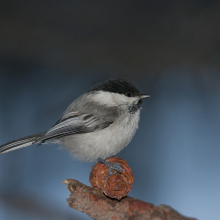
<point x="114" y="186"/>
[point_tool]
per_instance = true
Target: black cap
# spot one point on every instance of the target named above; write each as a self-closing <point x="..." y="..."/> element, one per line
<point x="120" y="86"/>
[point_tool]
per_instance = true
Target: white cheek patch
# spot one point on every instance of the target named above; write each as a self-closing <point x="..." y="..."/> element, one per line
<point x="122" y="99"/>
<point x="111" y="99"/>
<point x="103" y="97"/>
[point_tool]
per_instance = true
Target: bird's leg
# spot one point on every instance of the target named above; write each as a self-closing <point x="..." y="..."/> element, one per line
<point x="111" y="166"/>
<point x="112" y="156"/>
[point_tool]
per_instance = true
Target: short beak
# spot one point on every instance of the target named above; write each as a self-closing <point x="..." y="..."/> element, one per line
<point x="145" y="96"/>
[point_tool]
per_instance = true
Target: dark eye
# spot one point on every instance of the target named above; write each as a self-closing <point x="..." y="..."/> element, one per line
<point x="128" y="94"/>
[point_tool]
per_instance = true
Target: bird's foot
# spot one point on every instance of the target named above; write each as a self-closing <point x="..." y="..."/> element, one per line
<point x="111" y="166"/>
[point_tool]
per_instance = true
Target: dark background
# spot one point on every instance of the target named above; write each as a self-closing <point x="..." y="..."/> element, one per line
<point x="52" y="51"/>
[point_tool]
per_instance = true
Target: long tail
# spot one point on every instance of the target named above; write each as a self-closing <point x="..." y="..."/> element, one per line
<point x="23" y="142"/>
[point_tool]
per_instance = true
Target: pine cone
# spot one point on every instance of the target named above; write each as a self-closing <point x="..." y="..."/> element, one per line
<point x="114" y="186"/>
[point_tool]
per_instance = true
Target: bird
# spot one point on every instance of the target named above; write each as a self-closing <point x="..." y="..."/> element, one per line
<point x="97" y="125"/>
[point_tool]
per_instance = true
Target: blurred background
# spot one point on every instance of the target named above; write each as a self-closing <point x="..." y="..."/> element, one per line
<point x="52" y="51"/>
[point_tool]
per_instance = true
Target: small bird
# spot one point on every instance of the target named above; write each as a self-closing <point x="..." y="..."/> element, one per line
<point x="96" y="126"/>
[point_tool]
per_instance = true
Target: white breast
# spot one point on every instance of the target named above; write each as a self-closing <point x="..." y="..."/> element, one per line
<point x="103" y="143"/>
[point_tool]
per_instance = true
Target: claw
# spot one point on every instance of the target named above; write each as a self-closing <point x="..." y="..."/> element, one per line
<point x="111" y="166"/>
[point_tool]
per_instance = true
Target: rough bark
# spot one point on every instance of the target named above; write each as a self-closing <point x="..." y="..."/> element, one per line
<point x="96" y="205"/>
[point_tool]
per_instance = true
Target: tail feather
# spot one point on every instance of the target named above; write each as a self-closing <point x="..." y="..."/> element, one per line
<point x="22" y="142"/>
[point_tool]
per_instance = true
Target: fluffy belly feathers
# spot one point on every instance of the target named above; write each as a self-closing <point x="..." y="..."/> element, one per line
<point x="90" y="147"/>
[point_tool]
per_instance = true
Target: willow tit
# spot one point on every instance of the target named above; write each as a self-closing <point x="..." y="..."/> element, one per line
<point x="97" y="125"/>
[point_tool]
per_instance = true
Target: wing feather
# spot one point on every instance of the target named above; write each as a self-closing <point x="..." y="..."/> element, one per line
<point x="83" y="123"/>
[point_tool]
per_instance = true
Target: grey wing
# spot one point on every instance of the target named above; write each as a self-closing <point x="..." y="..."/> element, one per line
<point x="76" y="123"/>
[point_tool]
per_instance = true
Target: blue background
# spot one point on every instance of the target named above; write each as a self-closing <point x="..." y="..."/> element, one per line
<point x="52" y="51"/>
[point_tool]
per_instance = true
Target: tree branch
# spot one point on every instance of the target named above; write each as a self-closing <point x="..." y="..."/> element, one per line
<point x="95" y="204"/>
